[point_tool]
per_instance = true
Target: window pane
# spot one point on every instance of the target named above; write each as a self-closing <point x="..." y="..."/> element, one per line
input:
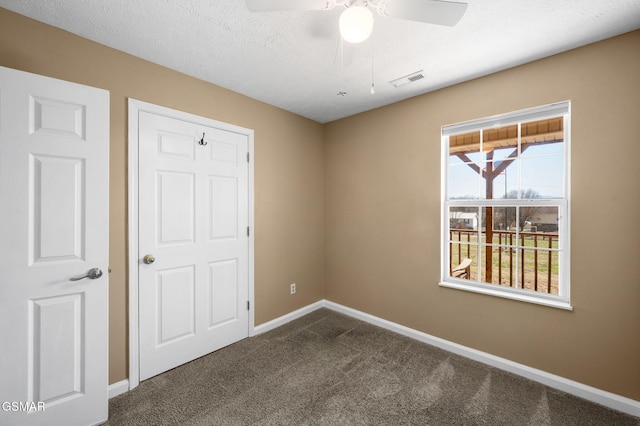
<point x="504" y="219"/>
<point x="500" y="138"/>
<point x="498" y="245"/>
<point x="486" y="214"/>
<point x="504" y="259"/>
<point x="540" y="219"/>
<point x="460" y="251"/>
<point x="463" y="263"/>
<point x="466" y="144"/>
<point x="454" y="160"/>
<point x="538" y="269"/>
<point x="542" y="177"/>
<point x="542" y="149"/>
<point x="463" y="183"/>
<point x="505" y="178"/>
<point x="465" y="164"/>
<point x="463" y="218"/>
<point x="466" y="158"/>
<point x="500" y="146"/>
<point x="502" y="269"/>
<point x="542" y="136"/>
<point x="502" y="154"/>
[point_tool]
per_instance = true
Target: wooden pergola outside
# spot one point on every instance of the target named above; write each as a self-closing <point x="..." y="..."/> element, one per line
<point x="531" y="133"/>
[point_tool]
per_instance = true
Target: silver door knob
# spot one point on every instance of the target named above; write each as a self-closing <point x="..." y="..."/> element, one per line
<point x="149" y="259"/>
<point x="93" y="273"/>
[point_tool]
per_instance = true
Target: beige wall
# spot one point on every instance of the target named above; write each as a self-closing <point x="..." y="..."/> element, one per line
<point x="383" y="209"/>
<point x="289" y="170"/>
<point x="372" y="182"/>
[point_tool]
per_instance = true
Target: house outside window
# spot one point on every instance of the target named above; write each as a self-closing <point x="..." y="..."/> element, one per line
<point x="505" y="209"/>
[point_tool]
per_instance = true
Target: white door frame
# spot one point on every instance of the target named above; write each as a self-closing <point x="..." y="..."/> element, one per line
<point x="135" y="107"/>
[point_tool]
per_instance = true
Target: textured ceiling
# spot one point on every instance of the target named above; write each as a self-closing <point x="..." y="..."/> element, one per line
<point x="292" y="59"/>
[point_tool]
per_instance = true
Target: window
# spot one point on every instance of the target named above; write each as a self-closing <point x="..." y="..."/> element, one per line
<point x="505" y="217"/>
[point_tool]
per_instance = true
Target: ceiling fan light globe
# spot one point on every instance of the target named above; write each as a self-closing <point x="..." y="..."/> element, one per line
<point x="356" y="24"/>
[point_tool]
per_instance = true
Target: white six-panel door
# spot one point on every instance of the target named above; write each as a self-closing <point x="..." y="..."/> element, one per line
<point x="54" y="153"/>
<point x="193" y="220"/>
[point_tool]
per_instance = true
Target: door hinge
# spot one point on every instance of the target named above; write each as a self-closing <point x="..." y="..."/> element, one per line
<point x="248" y="305"/>
<point x="247" y="157"/>
<point x="247" y="231"/>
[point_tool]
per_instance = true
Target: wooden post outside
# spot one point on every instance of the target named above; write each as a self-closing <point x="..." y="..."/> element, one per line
<point x="510" y="259"/>
<point x="500" y="258"/>
<point x="488" y="177"/>
<point x="535" y="260"/>
<point x="549" y="265"/>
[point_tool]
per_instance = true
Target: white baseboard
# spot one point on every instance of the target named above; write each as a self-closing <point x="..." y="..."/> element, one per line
<point x="275" y="323"/>
<point x="118" y="388"/>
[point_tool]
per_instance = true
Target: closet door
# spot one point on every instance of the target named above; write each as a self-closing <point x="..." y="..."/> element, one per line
<point x="193" y="241"/>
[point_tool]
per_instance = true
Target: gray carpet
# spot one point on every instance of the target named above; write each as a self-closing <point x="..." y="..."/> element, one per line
<point x="330" y="369"/>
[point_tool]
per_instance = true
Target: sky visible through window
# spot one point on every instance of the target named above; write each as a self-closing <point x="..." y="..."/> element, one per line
<point x="540" y="168"/>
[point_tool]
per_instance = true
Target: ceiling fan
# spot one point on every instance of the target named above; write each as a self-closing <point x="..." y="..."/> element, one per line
<point x="356" y="22"/>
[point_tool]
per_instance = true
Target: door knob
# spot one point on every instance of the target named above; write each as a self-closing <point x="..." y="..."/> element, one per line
<point x="93" y="273"/>
<point x="149" y="259"/>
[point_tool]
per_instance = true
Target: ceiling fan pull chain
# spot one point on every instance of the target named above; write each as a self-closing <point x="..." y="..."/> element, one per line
<point x="373" y="88"/>
<point x="341" y="92"/>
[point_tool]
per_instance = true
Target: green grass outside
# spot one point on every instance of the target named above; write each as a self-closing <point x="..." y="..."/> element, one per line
<point x="503" y="254"/>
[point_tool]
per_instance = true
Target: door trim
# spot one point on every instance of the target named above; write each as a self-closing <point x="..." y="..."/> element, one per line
<point x="134" y="109"/>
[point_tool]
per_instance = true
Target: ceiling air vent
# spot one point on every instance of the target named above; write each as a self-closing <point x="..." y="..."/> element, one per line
<point x="407" y="79"/>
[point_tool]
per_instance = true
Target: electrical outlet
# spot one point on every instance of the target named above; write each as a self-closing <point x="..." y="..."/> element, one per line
<point x="292" y="288"/>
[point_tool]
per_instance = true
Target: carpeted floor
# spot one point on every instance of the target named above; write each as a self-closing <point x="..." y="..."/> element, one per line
<point x="330" y="369"/>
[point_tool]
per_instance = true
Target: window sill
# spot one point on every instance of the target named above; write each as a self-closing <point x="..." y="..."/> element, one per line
<point x="509" y="293"/>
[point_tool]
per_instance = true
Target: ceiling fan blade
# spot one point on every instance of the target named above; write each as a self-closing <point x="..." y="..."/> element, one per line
<point x="278" y="5"/>
<point x="430" y="11"/>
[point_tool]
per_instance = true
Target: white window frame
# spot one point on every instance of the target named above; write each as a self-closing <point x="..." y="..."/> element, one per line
<point x="562" y="300"/>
